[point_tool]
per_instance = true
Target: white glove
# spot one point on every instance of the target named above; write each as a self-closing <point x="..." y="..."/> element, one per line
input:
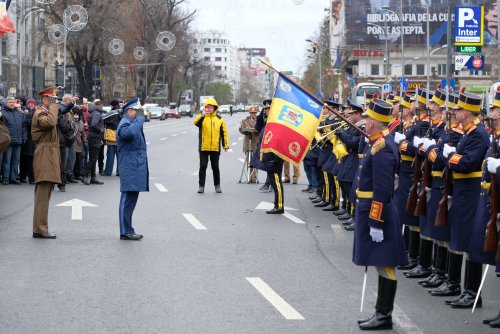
<point x="447" y="150"/>
<point x="367" y="140"/>
<point x="399" y="137"/>
<point x="417" y="141"/>
<point x="428" y="143"/>
<point x="376" y="234"/>
<point x="492" y="164"/>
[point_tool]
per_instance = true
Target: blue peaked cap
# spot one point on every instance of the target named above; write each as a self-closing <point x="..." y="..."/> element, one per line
<point x="132" y="104"/>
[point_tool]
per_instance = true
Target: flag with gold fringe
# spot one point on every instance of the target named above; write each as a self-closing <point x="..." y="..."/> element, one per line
<point x="292" y="122"/>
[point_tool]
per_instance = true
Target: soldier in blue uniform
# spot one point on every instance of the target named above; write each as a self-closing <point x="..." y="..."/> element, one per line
<point x="132" y="164"/>
<point x="465" y="161"/>
<point x="492" y="163"/>
<point x="377" y="238"/>
<point x="434" y="133"/>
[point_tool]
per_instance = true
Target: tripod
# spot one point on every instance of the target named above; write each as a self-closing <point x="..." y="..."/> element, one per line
<point x="246" y="170"/>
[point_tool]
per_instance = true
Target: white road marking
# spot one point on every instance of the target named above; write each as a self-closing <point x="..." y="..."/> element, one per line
<point x="161" y="188"/>
<point x="403" y="321"/>
<point x="175" y="135"/>
<point x="193" y="221"/>
<point x="268" y="206"/>
<point x="196" y="173"/>
<point x="184" y="132"/>
<point x="242" y="160"/>
<point x="235" y="144"/>
<point x="338" y="233"/>
<point x="164" y="138"/>
<point x="230" y="150"/>
<point x="76" y="207"/>
<point x="148" y="142"/>
<point x="286" y="310"/>
<point x="293" y="218"/>
<point x="240" y="138"/>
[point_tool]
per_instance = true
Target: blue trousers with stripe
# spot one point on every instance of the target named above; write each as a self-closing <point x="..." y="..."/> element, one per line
<point x="128" y="200"/>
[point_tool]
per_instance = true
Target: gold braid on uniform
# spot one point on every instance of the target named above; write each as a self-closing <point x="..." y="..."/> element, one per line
<point x="378" y="145"/>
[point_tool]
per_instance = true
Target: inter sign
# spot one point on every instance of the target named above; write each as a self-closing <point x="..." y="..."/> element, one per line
<point x="469" y="25"/>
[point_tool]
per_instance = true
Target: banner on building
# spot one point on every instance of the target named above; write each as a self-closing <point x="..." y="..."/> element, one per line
<point x="371" y="22"/>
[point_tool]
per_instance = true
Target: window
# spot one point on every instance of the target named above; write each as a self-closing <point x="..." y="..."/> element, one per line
<point x="218" y="68"/>
<point x="206" y="49"/>
<point x="206" y="58"/>
<point x="209" y="40"/>
<point x="441" y="69"/>
<point x="218" y="50"/>
<point x="218" y="58"/>
<point x="420" y="69"/>
<point x="225" y="58"/>
<point x="408" y="69"/>
<point x="375" y="69"/>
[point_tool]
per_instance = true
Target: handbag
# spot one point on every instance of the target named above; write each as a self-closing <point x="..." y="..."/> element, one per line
<point x="110" y="135"/>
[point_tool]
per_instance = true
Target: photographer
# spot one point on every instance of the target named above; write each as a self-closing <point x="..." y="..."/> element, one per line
<point x="96" y="131"/>
<point x="66" y="136"/>
<point x="111" y="122"/>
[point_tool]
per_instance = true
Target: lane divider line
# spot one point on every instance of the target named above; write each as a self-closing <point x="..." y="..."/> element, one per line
<point x="164" y="138"/>
<point x="175" y="135"/>
<point x="161" y="188"/>
<point x="235" y="144"/>
<point x="293" y="218"/>
<point x="193" y="221"/>
<point x="286" y="310"/>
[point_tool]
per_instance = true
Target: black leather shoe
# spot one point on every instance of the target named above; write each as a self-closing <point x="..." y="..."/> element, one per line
<point x="350" y="227"/>
<point x="86" y="180"/>
<point x="313" y="197"/>
<point x="321" y="204"/>
<point x="132" y="236"/>
<point x="348" y="222"/>
<point x="446" y="289"/>
<point x="434" y="281"/>
<point x="317" y="200"/>
<point x="95" y="181"/>
<point x="339" y="212"/>
<point x="330" y="207"/>
<point x="14" y="182"/>
<point x="360" y="321"/>
<point x="418" y="272"/>
<point x="412" y="263"/>
<point x="62" y="189"/>
<point x="275" y="211"/>
<point x="201" y="190"/>
<point x="462" y="295"/>
<point x="492" y="319"/>
<point x="44" y="235"/>
<point x="306" y="190"/>
<point x="71" y="180"/>
<point x="345" y="216"/>
<point x="467" y="301"/>
<point x="494" y="324"/>
<point x="377" y="322"/>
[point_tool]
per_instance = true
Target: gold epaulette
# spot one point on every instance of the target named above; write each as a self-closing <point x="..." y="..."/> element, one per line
<point x="378" y="145"/>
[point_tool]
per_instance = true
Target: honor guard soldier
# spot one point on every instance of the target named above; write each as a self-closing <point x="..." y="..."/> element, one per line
<point x="46" y="160"/>
<point x="349" y="164"/>
<point x="492" y="164"/>
<point x="377" y="238"/>
<point x="423" y="269"/>
<point x="465" y="161"/>
<point x="395" y="122"/>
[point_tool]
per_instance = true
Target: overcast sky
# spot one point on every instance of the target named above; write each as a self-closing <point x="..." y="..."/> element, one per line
<point x="279" y="26"/>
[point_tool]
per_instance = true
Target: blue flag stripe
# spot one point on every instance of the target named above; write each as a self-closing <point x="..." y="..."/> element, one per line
<point x="288" y="91"/>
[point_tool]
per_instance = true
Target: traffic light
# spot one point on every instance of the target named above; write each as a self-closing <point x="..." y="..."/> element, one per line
<point x="315" y="46"/>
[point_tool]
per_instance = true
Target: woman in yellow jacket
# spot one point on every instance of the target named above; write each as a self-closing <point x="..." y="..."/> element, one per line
<point x="212" y="133"/>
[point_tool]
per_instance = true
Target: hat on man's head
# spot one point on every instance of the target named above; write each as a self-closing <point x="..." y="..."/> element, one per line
<point x="392" y="98"/>
<point x="439" y="97"/>
<point x="470" y="102"/>
<point x="371" y="96"/>
<point x="423" y="95"/>
<point x="407" y="99"/>
<point x="49" y="91"/>
<point x="30" y="100"/>
<point x="496" y="99"/>
<point x="114" y="103"/>
<point x="253" y="109"/>
<point x="267" y="103"/>
<point x="379" y="110"/>
<point x="133" y="104"/>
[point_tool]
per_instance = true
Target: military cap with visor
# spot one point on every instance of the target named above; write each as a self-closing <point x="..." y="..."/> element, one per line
<point x="379" y="110"/>
<point x="470" y="102"/>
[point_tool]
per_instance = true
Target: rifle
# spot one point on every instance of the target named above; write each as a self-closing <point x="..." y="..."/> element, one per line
<point x="442" y="212"/>
<point x="490" y="239"/>
<point x="411" y="203"/>
<point x="421" y="206"/>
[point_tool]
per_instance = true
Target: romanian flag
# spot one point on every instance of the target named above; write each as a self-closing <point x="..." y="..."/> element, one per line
<point x="292" y="122"/>
<point x="5" y="22"/>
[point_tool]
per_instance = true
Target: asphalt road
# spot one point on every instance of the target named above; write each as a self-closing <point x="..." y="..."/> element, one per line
<point x="210" y="263"/>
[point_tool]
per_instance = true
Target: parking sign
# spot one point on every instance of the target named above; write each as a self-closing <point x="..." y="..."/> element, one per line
<point x="469" y="25"/>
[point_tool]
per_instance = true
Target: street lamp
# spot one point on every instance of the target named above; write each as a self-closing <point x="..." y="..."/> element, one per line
<point x="318" y="50"/>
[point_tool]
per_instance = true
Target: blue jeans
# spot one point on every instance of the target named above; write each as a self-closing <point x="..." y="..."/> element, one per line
<point x="311" y="176"/>
<point x="110" y="159"/>
<point x="11" y="162"/>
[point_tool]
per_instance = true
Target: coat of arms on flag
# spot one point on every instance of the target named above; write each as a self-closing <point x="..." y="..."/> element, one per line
<point x="292" y="122"/>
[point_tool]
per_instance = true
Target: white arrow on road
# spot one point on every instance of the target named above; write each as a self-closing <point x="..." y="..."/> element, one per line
<point x="269" y="206"/>
<point x="76" y="207"/>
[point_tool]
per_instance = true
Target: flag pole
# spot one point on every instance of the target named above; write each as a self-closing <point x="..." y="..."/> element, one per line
<point x="351" y="124"/>
<point x="480" y="288"/>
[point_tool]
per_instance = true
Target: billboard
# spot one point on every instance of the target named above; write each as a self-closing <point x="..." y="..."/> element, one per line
<point x="367" y="24"/>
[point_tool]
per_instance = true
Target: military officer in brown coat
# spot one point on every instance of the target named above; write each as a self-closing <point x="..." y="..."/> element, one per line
<point x="46" y="160"/>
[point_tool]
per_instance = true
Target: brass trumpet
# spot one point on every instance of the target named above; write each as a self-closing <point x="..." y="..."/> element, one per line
<point x="322" y="140"/>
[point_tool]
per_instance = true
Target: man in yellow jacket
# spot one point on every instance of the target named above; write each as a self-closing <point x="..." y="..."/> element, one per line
<point x="212" y="133"/>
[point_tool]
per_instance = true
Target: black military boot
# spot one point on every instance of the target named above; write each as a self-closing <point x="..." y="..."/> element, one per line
<point x="413" y="250"/>
<point x="466" y="281"/>
<point x="360" y="321"/>
<point x="382" y="319"/>
<point x="433" y="266"/>
<point x="339" y="212"/>
<point x="440" y="271"/>
<point x="320" y="204"/>
<point x="451" y="286"/>
<point x="472" y="287"/>
<point x="424" y="267"/>
<point x="330" y="207"/>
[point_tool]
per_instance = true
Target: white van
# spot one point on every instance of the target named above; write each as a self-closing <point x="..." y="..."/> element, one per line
<point x="357" y="94"/>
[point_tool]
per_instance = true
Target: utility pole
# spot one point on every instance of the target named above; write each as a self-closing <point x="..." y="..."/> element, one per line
<point x="448" y="59"/>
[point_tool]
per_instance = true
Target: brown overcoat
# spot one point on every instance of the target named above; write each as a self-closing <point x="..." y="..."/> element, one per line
<point x="46" y="161"/>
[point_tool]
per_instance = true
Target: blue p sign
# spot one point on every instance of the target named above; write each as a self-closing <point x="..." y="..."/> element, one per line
<point x="469" y="25"/>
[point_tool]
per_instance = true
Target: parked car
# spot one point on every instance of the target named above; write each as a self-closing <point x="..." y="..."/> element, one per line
<point x="155" y="111"/>
<point x="170" y="112"/>
<point x="147" y="112"/>
<point x="240" y="108"/>
<point x="224" y="109"/>
<point x="185" y="110"/>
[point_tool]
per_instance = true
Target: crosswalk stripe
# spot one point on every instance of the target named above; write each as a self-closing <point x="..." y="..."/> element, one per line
<point x="293" y="218"/>
<point x="193" y="221"/>
<point x="286" y="310"/>
<point x="161" y="188"/>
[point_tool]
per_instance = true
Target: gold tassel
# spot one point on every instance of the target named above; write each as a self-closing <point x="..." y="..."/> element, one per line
<point x="378" y="145"/>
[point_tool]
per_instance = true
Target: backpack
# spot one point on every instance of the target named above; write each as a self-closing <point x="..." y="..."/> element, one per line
<point x="68" y="129"/>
